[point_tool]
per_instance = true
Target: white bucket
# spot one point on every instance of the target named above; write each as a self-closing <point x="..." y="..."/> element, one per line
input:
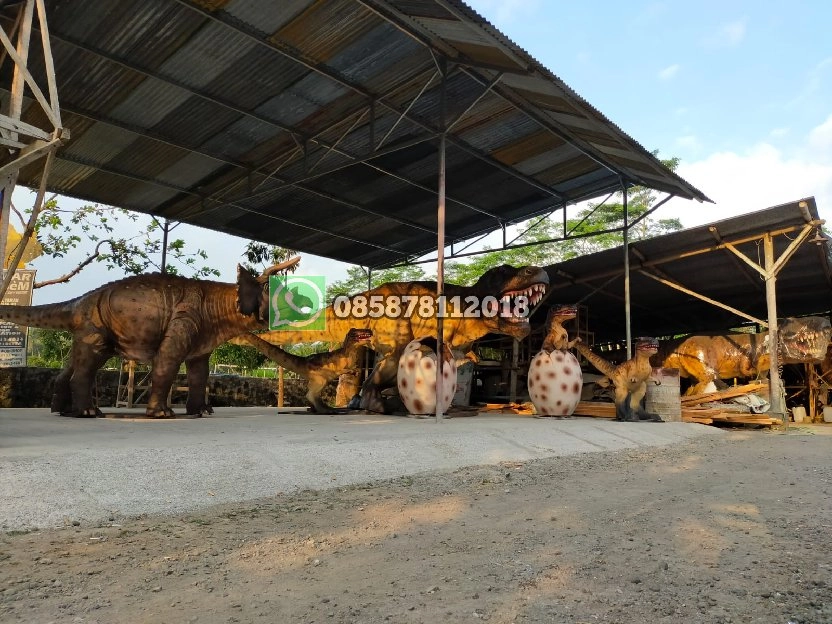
<point x="827" y="413"/>
<point x="798" y="413"/>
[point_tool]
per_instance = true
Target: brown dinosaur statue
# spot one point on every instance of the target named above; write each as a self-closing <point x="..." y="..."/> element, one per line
<point x="629" y="379"/>
<point x="164" y="319"/>
<point x="711" y="358"/>
<point x="498" y="303"/>
<point x="557" y="337"/>
<point x="318" y="368"/>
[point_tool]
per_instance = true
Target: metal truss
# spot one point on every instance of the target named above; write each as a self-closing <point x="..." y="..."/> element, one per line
<point x="25" y="144"/>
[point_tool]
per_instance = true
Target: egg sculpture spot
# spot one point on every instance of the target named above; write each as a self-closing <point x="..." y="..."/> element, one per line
<point x="555" y="399"/>
<point x="416" y="377"/>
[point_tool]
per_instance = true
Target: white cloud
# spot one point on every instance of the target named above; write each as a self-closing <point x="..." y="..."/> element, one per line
<point x="814" y="81"/>
<point x="668" y="72"/>
<point x="688" y="141"/>
<point x="728" y="34"/>
<point x="779" y="132"/>
<point x="820" y="138"/>
<point x="755" y="179"/>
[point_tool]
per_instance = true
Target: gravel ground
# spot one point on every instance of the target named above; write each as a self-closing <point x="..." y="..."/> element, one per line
<point x="729" y="528"/>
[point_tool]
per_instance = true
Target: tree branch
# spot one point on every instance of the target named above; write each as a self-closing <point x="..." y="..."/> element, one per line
<point x="68" y="276"/>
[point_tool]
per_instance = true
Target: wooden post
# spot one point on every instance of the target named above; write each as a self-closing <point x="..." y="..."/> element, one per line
<point x="15" y="110"/>
<point x="813" y="386"/>
<point x="627" y="311"/>
<point x="440" y="277"/>
<point x="775" y="384"/>
<point x="280" y="386"/>
<point x="515" y="360"/>
<point x="131" y="380"/>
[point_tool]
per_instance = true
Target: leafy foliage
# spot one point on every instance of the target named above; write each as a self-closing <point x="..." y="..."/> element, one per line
<point x="62" y="230"/>
<point x="356" y="280"/>
<point x="241" y="356"/>
<point x="50" y="347"/>
<point x="260" y="253"/>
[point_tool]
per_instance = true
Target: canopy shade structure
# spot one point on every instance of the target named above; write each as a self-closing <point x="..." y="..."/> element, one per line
<point x="699" y="259"/>
<point x="315" y="125"/>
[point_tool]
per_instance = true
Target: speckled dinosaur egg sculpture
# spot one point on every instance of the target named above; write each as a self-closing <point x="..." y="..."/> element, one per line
<point x="416" y="377"/>
<point x="555" y="383"/>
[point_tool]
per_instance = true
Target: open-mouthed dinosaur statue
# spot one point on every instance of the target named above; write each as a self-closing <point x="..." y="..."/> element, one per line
<point x="557" y="337"/>
<point x="163" y="319"/>
<point x="498" y="303"/>
<point x="318" y="368"/>
<point x="712" y="358"/>
<point x="629" y="378"/>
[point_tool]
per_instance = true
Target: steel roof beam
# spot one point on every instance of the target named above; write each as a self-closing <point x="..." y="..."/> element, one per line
<point x="325" y="144"/>
<point x="159" y="183"/>
<point x="327" y="72"/>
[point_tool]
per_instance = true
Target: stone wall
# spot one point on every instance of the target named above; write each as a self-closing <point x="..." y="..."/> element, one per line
<point x="33" y="387"/>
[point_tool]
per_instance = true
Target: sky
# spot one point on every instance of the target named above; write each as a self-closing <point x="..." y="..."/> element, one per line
<point x="740" y="92"/>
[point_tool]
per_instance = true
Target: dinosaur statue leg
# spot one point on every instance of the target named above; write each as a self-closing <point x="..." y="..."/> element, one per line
<point x="62" y="395"/>
<point x="623" y="410"/>
<point x="383" y="376"/>
<point x="637" y="405"/>
<point x="348" y="388"/>
<point x="197" y="403"/>
<point x="169" y="356"/>
<point x="315" y="386"/>
<point x="86" y="357"/>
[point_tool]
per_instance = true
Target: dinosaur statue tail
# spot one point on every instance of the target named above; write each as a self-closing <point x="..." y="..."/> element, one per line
<point x="48" y="316"/>
<point x="294" y="363"/>
<point x="596" y="360"/>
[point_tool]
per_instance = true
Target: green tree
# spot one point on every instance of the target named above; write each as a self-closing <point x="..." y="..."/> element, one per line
<point x="49" y="347"/>
<point x="241" y="356"/>
<point x="266" y="255"/>
<point x="62" y="230"/>
<point x="356" y="280"/>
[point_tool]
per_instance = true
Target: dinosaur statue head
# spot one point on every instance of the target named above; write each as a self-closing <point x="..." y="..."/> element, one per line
<point x="507" y="295"/>
<point x="562" y="312"/>
<point x="253" y="290"/>
<point x="804" y="339"/>
<point x="647" y="345"/>
<point x="358" y="336"/>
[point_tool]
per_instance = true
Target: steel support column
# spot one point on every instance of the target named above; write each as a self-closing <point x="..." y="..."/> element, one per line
<point x="440" y="277"/>
<point x="440" y="250"/>
<point x="627" y="319"/>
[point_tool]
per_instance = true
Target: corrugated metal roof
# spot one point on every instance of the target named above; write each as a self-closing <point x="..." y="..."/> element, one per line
<point x="314" y="124"/>
<point x="696" y="259"/>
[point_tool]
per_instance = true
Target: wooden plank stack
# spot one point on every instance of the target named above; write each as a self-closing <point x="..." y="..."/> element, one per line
<point x="693" y="411"/>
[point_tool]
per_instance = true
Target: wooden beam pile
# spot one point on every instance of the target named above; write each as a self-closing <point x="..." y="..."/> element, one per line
<point x="692" y="410"/>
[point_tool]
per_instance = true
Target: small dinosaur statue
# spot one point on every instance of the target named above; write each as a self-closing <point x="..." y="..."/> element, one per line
<point x="557" y="337"/>
<point x="489" y="306"/>
<point x="318" y="368"/>
<point x="629" y="379"/>
<point x="164" y="319"/>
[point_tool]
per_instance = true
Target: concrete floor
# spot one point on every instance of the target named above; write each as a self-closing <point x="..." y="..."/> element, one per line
<point x="55" y="470"/>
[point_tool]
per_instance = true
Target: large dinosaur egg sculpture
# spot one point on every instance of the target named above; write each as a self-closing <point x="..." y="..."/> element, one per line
<point x="416" y="377"/>
<point x="555" y="383"/>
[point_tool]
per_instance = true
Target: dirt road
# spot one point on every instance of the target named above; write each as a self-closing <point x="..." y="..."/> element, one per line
<point x="734" y="528"/>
